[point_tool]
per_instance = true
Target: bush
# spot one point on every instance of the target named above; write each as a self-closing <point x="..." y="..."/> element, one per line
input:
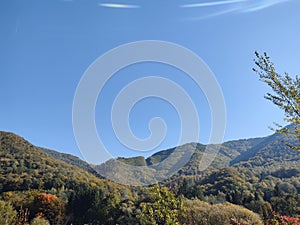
<point x="39" y="221"/>
<point x="202" y="213"/>
<point x="8" y="214"/>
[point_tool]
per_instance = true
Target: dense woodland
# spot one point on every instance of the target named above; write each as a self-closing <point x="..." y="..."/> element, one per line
<point x="254" y="181"/>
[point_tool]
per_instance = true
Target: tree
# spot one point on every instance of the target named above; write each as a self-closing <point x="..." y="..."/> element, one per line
<point x="93" y="205"/>
<point x="8" y="215"/>
<point x="286" y="95"/>
<point x="39" y="221"/>
<point x="161" y="207"/>
<point x="50" y="207"/>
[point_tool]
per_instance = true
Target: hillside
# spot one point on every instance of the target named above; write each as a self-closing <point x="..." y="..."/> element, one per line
<point x="24" y="166"/>
<point x="270" y="152"/>
<point x="70" y="159"/>
<point x="250" y="172"/>
<point x="37" y="179"/>
<point x="262" y="155"/>
<point x="259" y="174"/>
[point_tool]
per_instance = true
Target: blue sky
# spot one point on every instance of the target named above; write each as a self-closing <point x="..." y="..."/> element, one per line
<point x="46" y="46"/>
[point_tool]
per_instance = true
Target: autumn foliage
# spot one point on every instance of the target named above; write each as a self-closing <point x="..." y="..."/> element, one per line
<point x="50" y="207"/>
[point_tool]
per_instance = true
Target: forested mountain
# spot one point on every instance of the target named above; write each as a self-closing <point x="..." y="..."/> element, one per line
<point x="261" y="174"/>
<point x="31" y="179"/>
<point x="259" y="155"/>
<point x="70" y="159"/>
<point x="24" y="166"/>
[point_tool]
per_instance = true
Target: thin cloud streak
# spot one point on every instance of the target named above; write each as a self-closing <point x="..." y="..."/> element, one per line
<point x="207" y="4"/>
<point x="219" y="13"/>
<point x="119" y="6"/>
<point x="244" y="6"/>
<point x="263" y="5"/>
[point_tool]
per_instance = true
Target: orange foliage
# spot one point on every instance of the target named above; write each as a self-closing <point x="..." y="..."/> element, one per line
<point x="47" y="198"/>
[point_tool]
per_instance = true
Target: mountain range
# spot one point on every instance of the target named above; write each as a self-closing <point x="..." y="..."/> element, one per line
<point x="256" y="173"/>
<point x="265" y="154"/>
<point x="267" y="151"/>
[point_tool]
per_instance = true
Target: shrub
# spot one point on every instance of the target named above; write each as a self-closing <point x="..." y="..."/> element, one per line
<point x="8" y="214"/>
<point x="39" y="221"/>
<point x="202" y="213"/>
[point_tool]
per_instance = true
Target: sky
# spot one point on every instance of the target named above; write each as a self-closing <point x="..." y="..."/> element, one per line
<point x="47" y="46"/>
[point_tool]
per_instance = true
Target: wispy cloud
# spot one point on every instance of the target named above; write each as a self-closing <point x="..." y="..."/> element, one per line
<point x="233" y="6"/>
<point x="211" y="15"/>
<point x="119" y="6"/>
<point x="256" y="6"/>
<point x="207" y="4"/>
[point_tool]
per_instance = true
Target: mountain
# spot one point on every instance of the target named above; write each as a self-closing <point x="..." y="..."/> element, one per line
<point x="268" y="152"/>
<point x="24" y="166"/>
<point x="265" y="153"/>
<point x="19" y="157"/>
<point x="228" y="151"/>
<point x="271" y="148"/>
<point x="39" y="182"/>
<point x="70" y="159"/>
<point x="257" y="173"/>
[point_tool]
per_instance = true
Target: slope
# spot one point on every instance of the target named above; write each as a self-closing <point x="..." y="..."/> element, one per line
<point x="24" y="166"/>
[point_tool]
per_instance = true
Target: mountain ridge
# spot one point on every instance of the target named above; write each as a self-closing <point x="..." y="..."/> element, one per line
<point x="231" y="152"/>
<point x="265" y="171"/>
